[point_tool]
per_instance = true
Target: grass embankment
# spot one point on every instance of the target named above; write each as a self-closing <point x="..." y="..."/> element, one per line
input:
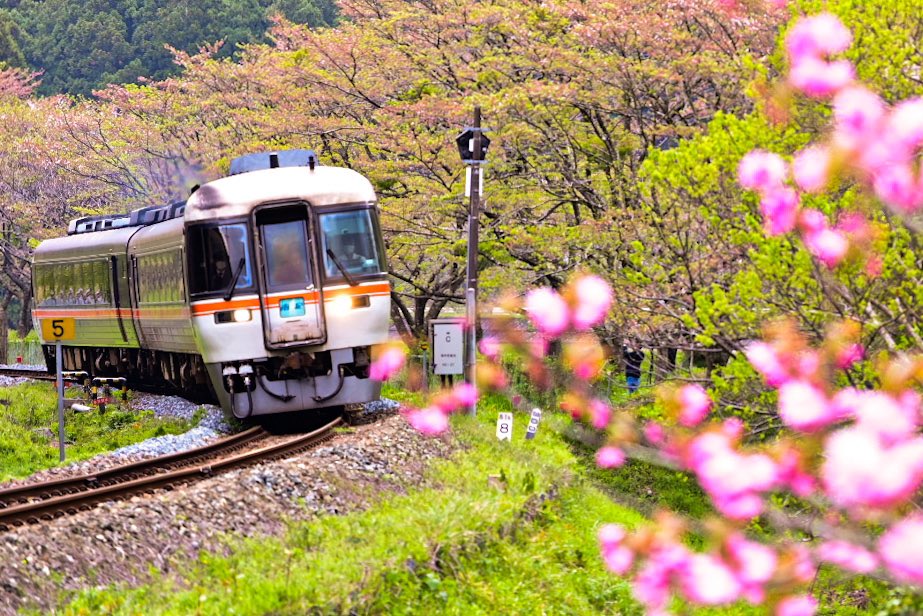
<point x="29" y="430"/>
<point x="500" y="528"/>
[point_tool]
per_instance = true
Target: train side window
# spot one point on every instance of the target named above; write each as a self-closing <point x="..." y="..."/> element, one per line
<point x="352" y="236"/>
<point x="214" y="255"/>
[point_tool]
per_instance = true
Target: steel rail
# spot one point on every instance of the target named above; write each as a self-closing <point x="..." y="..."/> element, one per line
<point x="28" y="373"/>
<point x="133" y="470"/>
<point x="30" y="513"/>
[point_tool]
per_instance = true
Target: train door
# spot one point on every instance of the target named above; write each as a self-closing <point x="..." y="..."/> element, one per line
<point x="291" y="301"/>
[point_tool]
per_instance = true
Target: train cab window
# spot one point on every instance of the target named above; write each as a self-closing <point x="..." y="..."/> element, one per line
<point x="352" y="237"/>
<point x="215" y="253"/>
<point x="286" y="246"/>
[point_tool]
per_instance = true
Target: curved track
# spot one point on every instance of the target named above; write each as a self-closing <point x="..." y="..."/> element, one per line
<point x="28" y="373"/>
<point x="44" y="501"/>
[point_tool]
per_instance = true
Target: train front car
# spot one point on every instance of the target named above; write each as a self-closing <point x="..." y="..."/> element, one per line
<point x="287" y="284"/>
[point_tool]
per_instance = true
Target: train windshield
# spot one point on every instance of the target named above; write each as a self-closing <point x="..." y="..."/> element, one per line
<point x="215" y="255"/>
<point x="352" y="238"/>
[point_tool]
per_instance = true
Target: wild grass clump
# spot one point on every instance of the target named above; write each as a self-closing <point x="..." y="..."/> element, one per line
<point x="29" y="429"/>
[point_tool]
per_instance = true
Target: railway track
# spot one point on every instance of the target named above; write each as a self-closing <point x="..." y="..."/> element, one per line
<point x="28" y="373"/>
<point x="44" y="501"/>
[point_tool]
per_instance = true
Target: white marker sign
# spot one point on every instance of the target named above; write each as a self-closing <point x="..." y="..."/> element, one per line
<point x="505" y="427"/>
<point x="533" y="424"/>
<point x="448" y="348"/>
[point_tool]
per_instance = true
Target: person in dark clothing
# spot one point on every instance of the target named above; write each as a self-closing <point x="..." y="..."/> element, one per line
<point x="633" y="359"/>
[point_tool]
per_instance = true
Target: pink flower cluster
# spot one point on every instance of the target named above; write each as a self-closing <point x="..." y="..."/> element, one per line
<point x="434" y="419"/>
<point x="585" y="304"/>
<point x="387" y="364"/>
<point x="739" y="570"/>
<point x="878" y="144"/>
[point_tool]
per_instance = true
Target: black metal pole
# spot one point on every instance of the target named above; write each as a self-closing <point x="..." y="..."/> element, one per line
<point x="472" y="278"/>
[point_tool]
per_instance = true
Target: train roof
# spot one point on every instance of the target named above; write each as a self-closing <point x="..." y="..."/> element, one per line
<point x="81" y="247"/>
<point x="237" y="195"/>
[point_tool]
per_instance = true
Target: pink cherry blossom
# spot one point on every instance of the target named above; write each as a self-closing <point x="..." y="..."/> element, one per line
<point x="881" y="414"/>
<point x="763" y="357"/>
<point x="548" y="311"/>
<point x="707" y="580"/>
<point x="850" y="355"/>
<point x="860" y="470"/>
<point x="819" y="79"/>
<point x="858" y="113"/>
<point x="609" y="457"/>
<point x="896" y="185"/>
<point x="905" y="125"/>
<point x="654" y="433"/>
<point x="430" y="421"/>
<point x="817" y="36"/>
<point x="465" y="394"/>
<point x="804" y="407"/>
<point x="827" y="245"/>
<point x="848" y="556"/>
<point x="901" y="548"/>
<point x="779" y="207"/>
<point x="694" y="405"/>
<point x="594" y="297"/>
<point x="792" y="473"/>
<point x="617" y="557"/>
<point x="754" y="562"/>
<point x="797" y="605"/>
<point x="811" y="168"/>
<point x="761" y="171"/>
<point x="389" y="363"/>
<point x="490" y="347"/>
<point x="600" y="414"/>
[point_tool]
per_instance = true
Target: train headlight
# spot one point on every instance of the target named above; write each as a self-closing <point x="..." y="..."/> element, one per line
<point x="241" y="315"/>
<point x="341" y="303"/>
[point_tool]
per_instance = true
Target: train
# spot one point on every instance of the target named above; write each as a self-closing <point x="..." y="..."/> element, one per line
<point x="265" y="291"/>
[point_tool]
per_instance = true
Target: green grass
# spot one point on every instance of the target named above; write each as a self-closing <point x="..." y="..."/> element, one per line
<point x="29" y="430"/>
<point x="500" y="528"/>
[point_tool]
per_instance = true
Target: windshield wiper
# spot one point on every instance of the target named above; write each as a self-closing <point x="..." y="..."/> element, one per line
<point x="230" y="292"/>
<point x="352" y="281"/>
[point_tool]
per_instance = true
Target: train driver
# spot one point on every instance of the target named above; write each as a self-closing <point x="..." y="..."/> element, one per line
<point x="222" y="275"/>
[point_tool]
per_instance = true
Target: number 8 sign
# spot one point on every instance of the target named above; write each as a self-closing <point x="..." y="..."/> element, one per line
<point x="505" y="427"/>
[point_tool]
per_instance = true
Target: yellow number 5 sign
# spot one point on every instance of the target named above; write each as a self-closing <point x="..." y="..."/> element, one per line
<point x="58" y="329"/>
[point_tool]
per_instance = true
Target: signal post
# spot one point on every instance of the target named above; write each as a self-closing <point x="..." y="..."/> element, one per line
<point x="58" y="330"/>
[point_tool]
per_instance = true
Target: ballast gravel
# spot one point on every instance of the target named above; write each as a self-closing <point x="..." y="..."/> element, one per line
<point x="119" y="542"/>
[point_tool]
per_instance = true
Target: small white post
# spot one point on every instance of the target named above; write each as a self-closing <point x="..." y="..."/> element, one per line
<point x="59" y="368"/>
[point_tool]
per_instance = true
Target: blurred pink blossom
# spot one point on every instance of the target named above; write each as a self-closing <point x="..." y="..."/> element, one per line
<point x="804" y="407"/>
<point x="850" y="355"/>
<point x="548" y="311"/>
<point x="817" y="36"/>
<point x="654" y="433"/>
<point x="860" y="470"/>
<point x="430" y="421"/>
<point x="617" y="557"/>
<point x="694" y="405"/>
<point x="707" y="580"/>
<point x="779" y="207"/>
<point x="811" y="169"/>
<point x="797" y="605"/>
<point x="389" y="363"/>
<point x="600" y="414"/>
<point x="761" y="171"/>
<point x="827" y="245"/>
<point x="905" y="125"/>
<point x="858" y="113"/>
<point x="884" y="416"/>
<point x="819" y="79"/>
<point x="465" y="394"/>
<point x="764" y="358"/>
<point x="848" y="556"/>
<point x="594" y="297"/>
<point x="610" y="457"/>
<point x="490" y="347"/>
<point x="754" y="562"/>
<point x="901" y="548"/>
<point x="896" y="185"/>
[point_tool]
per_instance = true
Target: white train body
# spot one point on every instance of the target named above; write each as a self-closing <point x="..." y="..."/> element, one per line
<point x="267" y="289"/>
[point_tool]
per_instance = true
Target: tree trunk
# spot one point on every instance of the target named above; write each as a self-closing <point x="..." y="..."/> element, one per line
<point x="25" y="315"/>
<point x="5" y="327"/>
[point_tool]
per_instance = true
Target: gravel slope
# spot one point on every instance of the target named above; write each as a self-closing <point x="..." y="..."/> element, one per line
<point x="119" y="542"/>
